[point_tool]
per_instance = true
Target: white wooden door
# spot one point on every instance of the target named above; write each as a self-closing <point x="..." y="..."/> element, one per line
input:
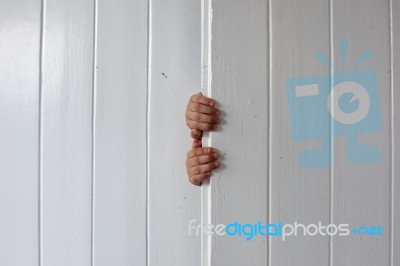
<point x="304" y="160"/>
<point x="93" y="139"/>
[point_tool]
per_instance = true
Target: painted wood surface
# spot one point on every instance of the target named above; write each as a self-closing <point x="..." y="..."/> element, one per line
<point x="357" y="194"/>
<point x="93" y="138"/>
<point x="238" y="81"/>
<point x="19" y="132"/>
<point x="395" y="108"/>
<point x="361" y="192"/>
<point x="175" y="72"/>
<point x="66" y="133"/>
<point x="119" y="211"/>
<point x="296" y="194"/>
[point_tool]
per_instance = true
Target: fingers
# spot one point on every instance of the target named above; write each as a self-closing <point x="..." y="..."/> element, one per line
<point x="196" y="134"/>
<point x="198" y="179"/>
<point x="202" y="159"/>
<point x="199" y="151"/>
<point x="212" y="119"/>
<point x="201" y="169"/>
<point x="200" y="163"/>
<point x="192" y="124"/>
<point x="201" y="113"/>
<point x="199" y="98"/>
<point x="201" y="108"/>
<point x="196" y="143"/>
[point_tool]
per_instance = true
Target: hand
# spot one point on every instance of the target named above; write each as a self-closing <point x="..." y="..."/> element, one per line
<point x="200" y="162"/>
<point x="201" y="114"/>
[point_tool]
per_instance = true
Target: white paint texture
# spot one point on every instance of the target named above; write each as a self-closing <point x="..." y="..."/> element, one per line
<point x="175" y="74"/>
<point x="66" y="132"/>
<point x="19" y="131"/>
<point x="238" y="82"/>
<point x="119" y="211"/>
<point x="93" y="139"/>
<point x="361" y="192"/>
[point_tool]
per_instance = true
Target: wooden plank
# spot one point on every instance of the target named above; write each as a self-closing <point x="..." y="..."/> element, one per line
<point x="66" y="143"/>
<point x="361" y="191"/>
<point x="236" y="45"/>
<point x="395" y="95"/>
<point x="175" y="74"/>
<point x="19" y="131"/>
<point x="299" y="189"/>
<point x="120" y="133"/>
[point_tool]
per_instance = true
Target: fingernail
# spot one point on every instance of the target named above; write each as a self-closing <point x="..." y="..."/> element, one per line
<point x="216" y="163"/>
<point x="209" y="150"/>
<point x="215" y="155"/>
<point x="211" y="103"/>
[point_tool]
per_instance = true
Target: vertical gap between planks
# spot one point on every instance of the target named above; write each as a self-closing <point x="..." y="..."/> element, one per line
<point x="391" y="124"/>
<point x="269" y="127"/>
<point x="203" y="65"/>
<point x="94" y="111"/>
<point x="40" y="135"/>
<point x="206" y="200"/>
<point x="148" y="105"/>
<point x="209" y="92"/>
<point x="332" y="158"/>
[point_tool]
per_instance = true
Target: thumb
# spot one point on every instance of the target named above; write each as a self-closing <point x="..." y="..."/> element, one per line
<point x="197" y="143"/>
<point x="196" y="134"/>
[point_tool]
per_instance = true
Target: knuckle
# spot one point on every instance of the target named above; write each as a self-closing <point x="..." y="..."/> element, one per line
<point x="196" y="179"/>
<point x="213" y="165"/>
<point x="197" y="169"/>
<point x="201" y="151"/>
<point x="193" y="180"/>
<point x="196" y="116"/>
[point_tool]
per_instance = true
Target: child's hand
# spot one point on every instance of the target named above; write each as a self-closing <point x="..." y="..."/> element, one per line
<point x="201" y="115"/>
<point x="199" y="164"/>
